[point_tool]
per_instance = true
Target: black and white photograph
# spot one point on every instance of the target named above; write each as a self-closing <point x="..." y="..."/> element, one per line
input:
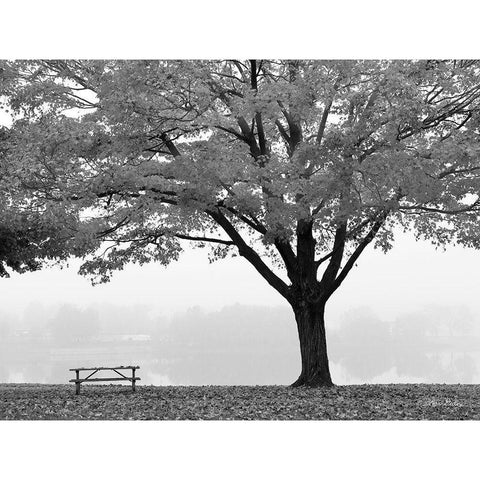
<point x="268" y="242"/>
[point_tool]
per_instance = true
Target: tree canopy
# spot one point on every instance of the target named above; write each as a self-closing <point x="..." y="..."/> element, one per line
<point x="149" y="153"/>
<point x="28" y="236"/>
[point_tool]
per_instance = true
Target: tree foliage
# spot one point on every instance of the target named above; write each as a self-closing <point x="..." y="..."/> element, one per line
<point x="146" y="154"/>
<point x="28" y="235"/>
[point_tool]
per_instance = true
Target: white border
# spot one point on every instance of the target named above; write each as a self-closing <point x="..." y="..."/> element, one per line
<point x="249" y="28"/>
<point x="219" y="29"/>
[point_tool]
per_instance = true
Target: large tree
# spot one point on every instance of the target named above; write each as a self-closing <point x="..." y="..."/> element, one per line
<point x="297" y="166"/>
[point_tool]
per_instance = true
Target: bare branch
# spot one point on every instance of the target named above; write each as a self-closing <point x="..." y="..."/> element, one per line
<point x="203" y="239"/>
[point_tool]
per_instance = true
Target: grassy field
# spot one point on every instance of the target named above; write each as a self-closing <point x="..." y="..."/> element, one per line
<point x="352" y="402"/>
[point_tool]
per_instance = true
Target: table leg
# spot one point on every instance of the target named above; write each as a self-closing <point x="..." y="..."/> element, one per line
<point x="77" y="383"/>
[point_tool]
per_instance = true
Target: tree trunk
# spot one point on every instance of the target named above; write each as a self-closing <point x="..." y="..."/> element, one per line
<point x="313" y="345"/>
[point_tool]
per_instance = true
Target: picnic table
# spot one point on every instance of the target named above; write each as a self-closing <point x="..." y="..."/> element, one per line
<point x="121" y="377"/>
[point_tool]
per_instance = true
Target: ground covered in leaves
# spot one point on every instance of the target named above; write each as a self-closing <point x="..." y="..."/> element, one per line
<point x="351" y="402"/>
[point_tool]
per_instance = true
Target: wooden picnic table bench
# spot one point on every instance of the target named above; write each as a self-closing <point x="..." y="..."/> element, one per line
<point x="78" y="381"/>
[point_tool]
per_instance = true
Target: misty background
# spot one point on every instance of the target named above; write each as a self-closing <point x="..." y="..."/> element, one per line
<point x="412" y="315"/>
<point x="237" y="344"/>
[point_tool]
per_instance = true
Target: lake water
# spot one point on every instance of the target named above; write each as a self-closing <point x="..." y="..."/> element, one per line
<point x="28" y="362"/>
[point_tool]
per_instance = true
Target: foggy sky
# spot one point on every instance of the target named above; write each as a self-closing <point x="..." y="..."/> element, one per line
<point x="411" y="275"/>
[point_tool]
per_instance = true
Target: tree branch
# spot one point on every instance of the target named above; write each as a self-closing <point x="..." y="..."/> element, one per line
<point x="284" y="135"/>
<point x="233" y="132"/>
<point x="323" y="121"/>
<point x="360" y="248"/>
<point x="295" y="130"/>
<point x="452" y="171"/>
<point x="203" y="239"/>
<point x="323" y="259"/>
<point x="251" y="255"/>
<point x="249" y="137"/>
<point x="336" y="257"/>
<point x="170" y="145"/>
<point x="468" y="208"/>
<point x="288" y="256"/>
